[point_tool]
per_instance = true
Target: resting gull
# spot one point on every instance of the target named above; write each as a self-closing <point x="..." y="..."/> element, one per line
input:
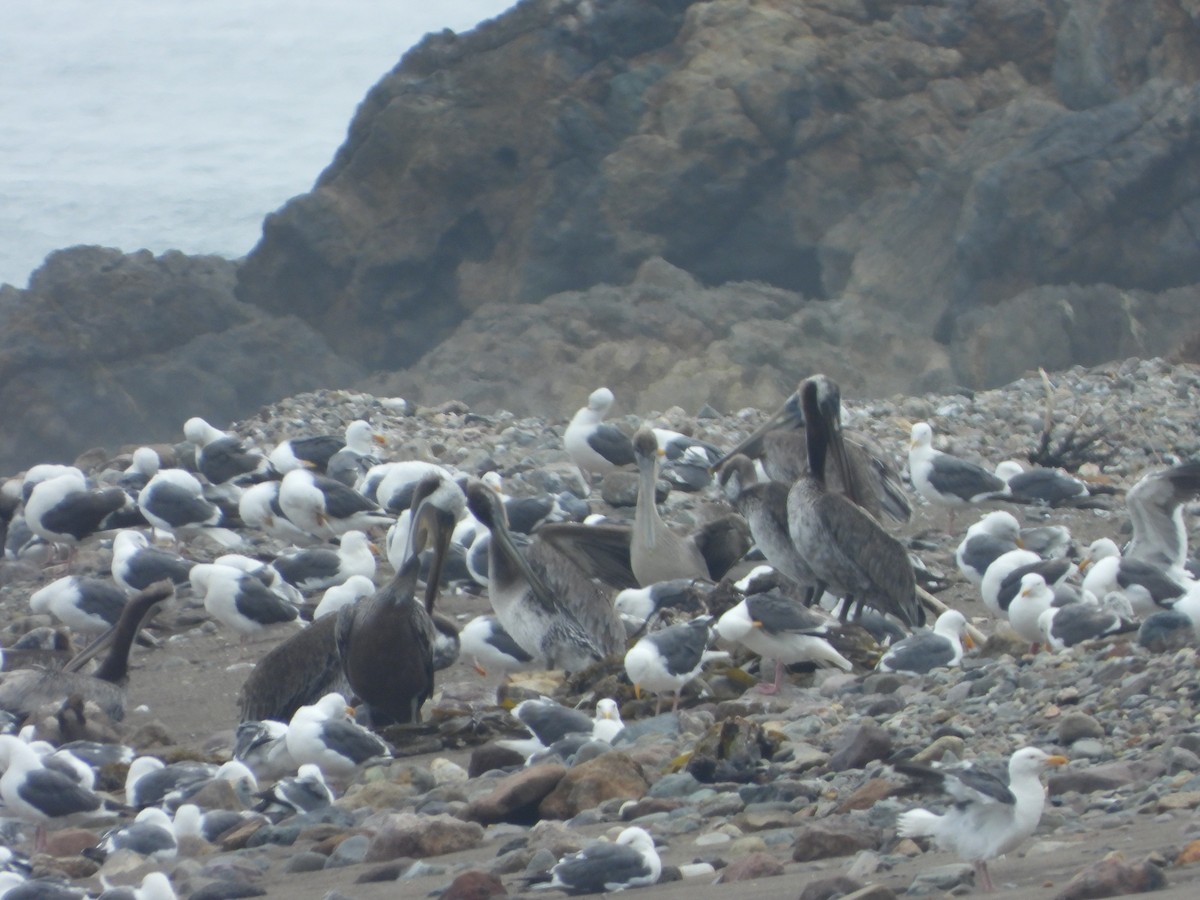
<point x="221" y="457"/>
<point x="986" y="541"/>
<point x="1040" y="486"/>
<point x="318" y="568"/>
<point x="629" y="861"/>
<point x="239" y="600"/>
<point x="925" y="650"/>
<point x="82" y="604"/>
<point x="1066" y="626"/>
<point x="324" y="507"/>
<point x="1148" y="586"/>
<point x="324" y="735"/>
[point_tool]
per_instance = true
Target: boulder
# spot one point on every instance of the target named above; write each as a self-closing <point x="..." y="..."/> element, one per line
<point x="586" y="786"/>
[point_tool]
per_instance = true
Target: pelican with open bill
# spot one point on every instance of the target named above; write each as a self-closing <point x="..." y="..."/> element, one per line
<point x="386" y="641"/>
<point x="24" y="691"/>
<point x="782" y="444"/>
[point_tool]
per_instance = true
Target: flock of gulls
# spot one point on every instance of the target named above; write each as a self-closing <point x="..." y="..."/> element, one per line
<point x="803" y="567"/>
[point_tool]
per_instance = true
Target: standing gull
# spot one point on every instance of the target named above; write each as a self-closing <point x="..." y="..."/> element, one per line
<point x="239" y="600"/>
<point x="63" y="510"/>
<point x="776" y="627"/>
<point x="39" y="795"/>
<point x="989" y="817"/>
<point x="594" y="446"/>
<point x="82" y="604"/>
<point x="946" y="480"/>
<point x="667" y="660"/>
<point x="846" y="548"/>
<point x="489" y="647"/>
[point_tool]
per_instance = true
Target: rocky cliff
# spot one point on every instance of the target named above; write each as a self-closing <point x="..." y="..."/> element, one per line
<point x="704" y="201"/>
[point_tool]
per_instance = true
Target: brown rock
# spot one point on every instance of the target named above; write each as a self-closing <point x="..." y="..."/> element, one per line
<point x="70" y="841"/>
<point x="237" y="837"/>
<point x="1104" y="778"/>
<point x="859" y="745"/>
<point x="833" y="886"/>
<point x="750" y="867"/>
<point x="1113" y="876"/>
<point x="833" y="838"/>
<point x="588" y="785"/>
<point x="1189" y="854"/>
<point x="409" y="834"/>
<point x="492" y="756"/>
<point x="515" y="798"/>
<point x="474" y="885"/>
<point x="868" y="794"/>
<point x="218" y="794"/>
<point x="872" y="892"/>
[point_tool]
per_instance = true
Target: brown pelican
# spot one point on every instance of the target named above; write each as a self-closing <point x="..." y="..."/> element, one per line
<point x="569" y="622"/>
<point x="870" y="481"/>
<point x="650" y="552"/>
<point x="845" y="547"/>
<point x="23" y="691"/>
<point x="386" y="640"/>
<point x="764" y="506"/>
<point x="295" y="673"/>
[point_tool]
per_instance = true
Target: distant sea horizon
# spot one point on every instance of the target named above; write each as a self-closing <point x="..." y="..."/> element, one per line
<point x="150" y="124"/>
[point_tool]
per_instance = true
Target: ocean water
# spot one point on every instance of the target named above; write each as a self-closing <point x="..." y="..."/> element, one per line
<point x="168" y="124"/>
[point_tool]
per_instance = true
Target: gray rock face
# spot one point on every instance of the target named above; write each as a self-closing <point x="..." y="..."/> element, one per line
<point x="103" y="345"/>
<point x="697" y="203"/>
<point x="923" y="167"/>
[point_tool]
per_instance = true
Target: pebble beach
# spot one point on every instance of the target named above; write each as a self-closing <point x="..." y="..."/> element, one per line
<point x="795" y="799"/>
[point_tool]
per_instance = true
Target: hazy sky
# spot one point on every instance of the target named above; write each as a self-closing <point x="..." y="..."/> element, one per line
<point x="167" y="123"/>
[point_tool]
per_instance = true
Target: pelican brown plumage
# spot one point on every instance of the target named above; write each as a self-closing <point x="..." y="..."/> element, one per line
<point x="650" y="551"/>
<point x="781" y="443"/>
<point x="570" y="633"/>
<point x="765" y="508"/>
<point x="845" y="546"/>
<point x="385" y="641"/>
<point x="24" y="691"/>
